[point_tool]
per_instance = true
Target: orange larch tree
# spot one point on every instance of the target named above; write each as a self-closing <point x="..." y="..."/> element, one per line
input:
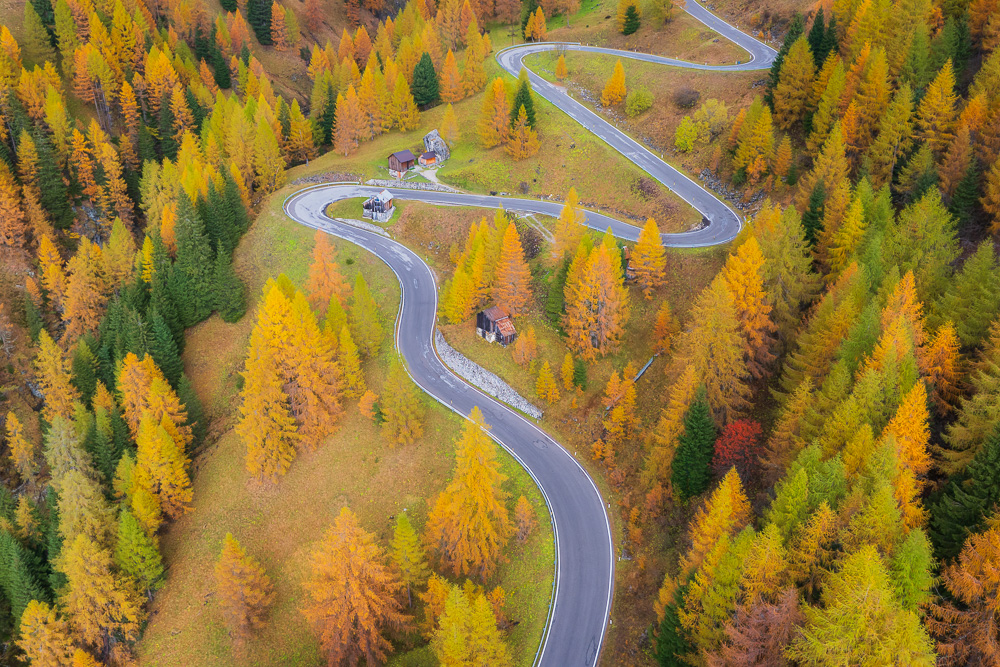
<point x="569" y="227"/>
<point x="161" y="467"/>
<point x="649" y="259"/>
<point x="85" y="291"/>
<point x="352" y="596"/>
<point x="512" y="286"/>
<point x="244" y="590"/>
<point x="451" y="81"/>
<point x="744" y="279"/>
<point x="596" y="309"/>
<point x="325" y="280"/>
<point x="53" y="376"/>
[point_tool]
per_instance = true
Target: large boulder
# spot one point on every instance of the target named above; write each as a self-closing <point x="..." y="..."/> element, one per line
<point x="434" y="142"/>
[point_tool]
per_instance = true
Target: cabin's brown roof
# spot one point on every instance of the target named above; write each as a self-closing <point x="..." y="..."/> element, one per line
<point x="428" y="155"/>
<point x="404" y="156"/>
<point x="496" y="313"/>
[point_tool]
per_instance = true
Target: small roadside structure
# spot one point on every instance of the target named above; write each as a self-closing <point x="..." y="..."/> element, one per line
<point x="629" y="269"/>
<point x="379" y="207"/>
<point x="495" y="326"/>
<point x="428" y="159"/>
<point x="401" y="162"/>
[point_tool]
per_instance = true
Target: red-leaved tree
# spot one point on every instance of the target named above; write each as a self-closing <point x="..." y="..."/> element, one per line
<point x="739" y="445"/>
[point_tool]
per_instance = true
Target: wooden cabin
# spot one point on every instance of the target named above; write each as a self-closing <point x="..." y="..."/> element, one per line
<point x="401" y="162"/>
<point x="494" y="324"/>
<point x="428" y="159"/>
<point x="378" y="207"/>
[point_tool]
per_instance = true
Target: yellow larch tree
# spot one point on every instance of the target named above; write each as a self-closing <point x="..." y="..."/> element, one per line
<point x="561" y="72"/>
<point x="243" y="588"/>
<point x="161" y="467"/>
<point x="794" y="84"/>
<point x="910" y="432"/>
<point x="469" y="525"/>
<point x="665" y="327"/>
<point x="23" y="453"/>
<point x="402" y="407"/>
<point x="449" y="125"/>
<point x="669" y="428"/>
<point x="53" y="376"/>
<point x="325" y="280"/>
<point x="99" y="602"/>
<point x="494" y="118"/>
<point x="525" y="348"/>
<point x="569" y="227"/>
<point x="523" y="141"/>
<point x="45" y="637"/>
<point x="546" y="386"/>
<point x="467" y="632"/>
<point x="53" y="276"/>
<point x="352" y="596"/>
<point x="614" y="89"/>
<point x="266" y="425"/>
<point x="744" y="279"/>
<point x="936" y="112"/>
<point x="512" y="286"/>
<point x="145" y="393"/>
<point x="726" y="512"/>
<point x="566" y="372"/>
<point x="991" y="196"/>
<point x="649" y="259"/>
<point x="350" y="365"/>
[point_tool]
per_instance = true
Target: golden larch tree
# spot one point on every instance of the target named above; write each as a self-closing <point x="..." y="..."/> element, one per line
<point x="53" y="376"/>
<point x="266" y="425"/>
<point x="569" y="227"/>
<point x="85" y="291"/>
<point x="936" y="112"/>
<point x="744" y="279"/>
<point x="45" y="637"/>
<point x="794" y="84"/>
<point x="726" y="512"/>
<point x="523" y="141"/>
<point x="99" y="602"/>
<point x="942" y="365"/>
<point x="546" y="386"/>
<point x="402" y="407"/>
<point x="244" y="590"/>
<point x="494" y="118"/>
<point x="649" y="259"/>
<point x="561" y="72"/>
<point x="161" y="467"/>
<point x="614" y="89"/>
<point x="352" y="595"/>
<point x="468" y="525"/>
<point x="408" y="555"/>
<point x="23" y="452"/>
<point x="566" y="372"/>
<point x="512" y="286"/>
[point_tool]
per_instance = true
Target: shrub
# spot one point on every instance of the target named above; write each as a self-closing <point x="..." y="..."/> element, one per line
<point x="686" y="135"/>
<point x="686" y="98"/>
<point x="638" y="101"/>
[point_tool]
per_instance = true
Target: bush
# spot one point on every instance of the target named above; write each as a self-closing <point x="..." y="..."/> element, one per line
<point x="638" y="101"/>
<point x="686" y="98"/>
<point x="686" y="135"/>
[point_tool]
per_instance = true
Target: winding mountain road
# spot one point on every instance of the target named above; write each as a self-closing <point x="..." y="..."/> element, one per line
<point x="584" y="577"/>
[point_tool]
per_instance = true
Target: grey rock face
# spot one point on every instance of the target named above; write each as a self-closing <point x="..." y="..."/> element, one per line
<point x="434" y="142"/>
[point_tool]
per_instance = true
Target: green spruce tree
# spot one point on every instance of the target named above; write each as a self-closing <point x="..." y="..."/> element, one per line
<point x="425" y="82"/>
<point x="137" y="554"/>
<point x="230" y="295"/>
<point x="695" y="447"/>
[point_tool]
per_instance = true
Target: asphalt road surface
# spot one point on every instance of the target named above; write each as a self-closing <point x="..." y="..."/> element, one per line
<point x="584" y="578"/>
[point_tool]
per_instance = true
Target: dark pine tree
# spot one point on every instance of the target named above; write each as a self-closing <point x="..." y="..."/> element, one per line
<point x="32" y="318"/>
<point x="229" y="5"/>
<point x="162" y="300"/>
<point x="147" y="144"/>
<point x="580" y="373"/>
<point x="53" y="540"/>
<point x="555" y="302"/>
<point x="230" y="295"/>
<point x="817" y="37"/>
<point x="259" y="18"/>
<point x="241" y="220"/>
<point x="964" y="201"/>
<point x="223" y="226"/>
<point x="671" y="644"/>
<point x="795" y="28"/>
<point x="425" y="82"/>
<point x="197" y="111"/>
<point x="966" y="500"/>
<point x="163" y="348"/>
<point x="84" y="365"/>
<point x="191" y="279"/>
<point x="18" y="575"/>
<point x="195" y="413"/>
<point x="524" y="98"/>
<point x="695" y="447"/>
<point x="45" y="11"/>
<point x="327" y="119"/>
<point x="50" y="183"/>
<point x="631" y="20"/>
<point x="812" y="219"/>
<point x="830" y="42"/>
<point x="107" y="452"/>
<point x="168" y="145"/>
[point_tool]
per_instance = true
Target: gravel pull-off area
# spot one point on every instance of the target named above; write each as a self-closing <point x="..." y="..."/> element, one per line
<point x="482" y="378"/>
